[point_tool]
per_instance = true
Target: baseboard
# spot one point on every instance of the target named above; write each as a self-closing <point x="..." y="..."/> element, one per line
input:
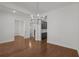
<point x="6" y="41"/>
<point x="63" y="46"/>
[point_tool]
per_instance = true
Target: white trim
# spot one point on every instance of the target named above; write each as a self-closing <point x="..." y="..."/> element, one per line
<point x="7" y="41"/>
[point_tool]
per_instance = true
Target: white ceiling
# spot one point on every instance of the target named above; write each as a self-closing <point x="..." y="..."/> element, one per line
<point x="35" y="7"/>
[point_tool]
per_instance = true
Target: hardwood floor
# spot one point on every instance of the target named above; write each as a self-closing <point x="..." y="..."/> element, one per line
<point x="32" y="48"/>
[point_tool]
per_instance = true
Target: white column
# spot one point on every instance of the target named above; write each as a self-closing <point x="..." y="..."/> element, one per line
<point x="38" y="30"/>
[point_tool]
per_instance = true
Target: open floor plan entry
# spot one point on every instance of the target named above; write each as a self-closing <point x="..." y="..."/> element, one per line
<point x="39" y="29"/>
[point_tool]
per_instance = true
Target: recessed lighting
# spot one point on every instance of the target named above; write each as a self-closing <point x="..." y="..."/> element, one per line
<point x="14" y="11"/>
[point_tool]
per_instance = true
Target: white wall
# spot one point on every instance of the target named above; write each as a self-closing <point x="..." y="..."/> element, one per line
<point x="63" y="26"/>
<point x="7" y="24"/>
<point x="6" y="27"/>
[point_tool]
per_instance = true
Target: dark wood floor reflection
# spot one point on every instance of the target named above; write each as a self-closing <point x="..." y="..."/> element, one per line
<point x="27" y="47"/>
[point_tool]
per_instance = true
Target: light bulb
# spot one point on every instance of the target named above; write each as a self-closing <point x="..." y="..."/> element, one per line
<point x="14" y="11"/>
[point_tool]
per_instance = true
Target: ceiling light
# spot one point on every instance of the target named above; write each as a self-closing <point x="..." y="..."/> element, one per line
<point x="14" y="11"/>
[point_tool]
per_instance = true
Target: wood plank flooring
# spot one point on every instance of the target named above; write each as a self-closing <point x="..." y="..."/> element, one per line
<point x="30" y="48"/>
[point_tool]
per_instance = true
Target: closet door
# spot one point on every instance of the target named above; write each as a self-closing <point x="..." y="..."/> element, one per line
<point x="19" y="28"/>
